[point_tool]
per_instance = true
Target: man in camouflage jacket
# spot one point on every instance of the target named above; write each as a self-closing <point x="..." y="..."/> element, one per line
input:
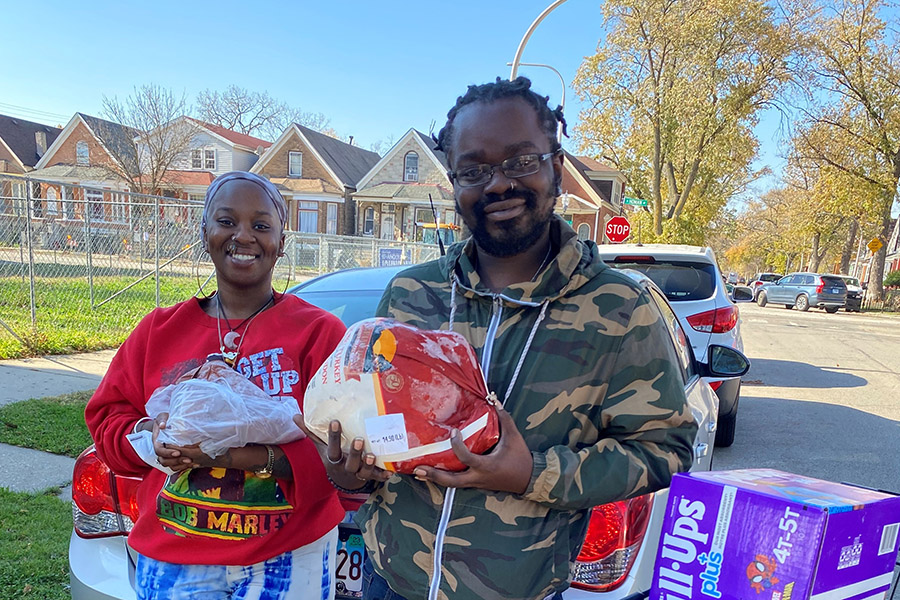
<point x="594" y="407"/>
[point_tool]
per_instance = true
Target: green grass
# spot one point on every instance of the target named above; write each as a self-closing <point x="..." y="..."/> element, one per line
<point x="34" y="542"/>
<point x="53" y="424"/>
<point x="66" y="321"/>
<point x="35" y="528"/>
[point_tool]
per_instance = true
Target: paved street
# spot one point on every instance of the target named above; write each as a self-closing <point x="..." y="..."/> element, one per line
<point x="822" y="397"/>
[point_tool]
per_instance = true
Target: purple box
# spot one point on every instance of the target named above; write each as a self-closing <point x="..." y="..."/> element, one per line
<point x="762" y="534"/>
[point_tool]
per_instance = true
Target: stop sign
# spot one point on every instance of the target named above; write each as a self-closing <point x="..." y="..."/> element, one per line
<point x="617" y="229"/>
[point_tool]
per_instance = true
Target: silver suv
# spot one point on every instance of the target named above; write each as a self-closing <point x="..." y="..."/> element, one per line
<point x="693" y="284"/>
<point x="805" y="290"/>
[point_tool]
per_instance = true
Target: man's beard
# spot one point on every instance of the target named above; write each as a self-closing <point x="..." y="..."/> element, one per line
<point x="509" y="241"/>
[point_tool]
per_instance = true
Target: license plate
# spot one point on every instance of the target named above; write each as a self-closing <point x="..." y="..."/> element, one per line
<point x="348" y="562"/>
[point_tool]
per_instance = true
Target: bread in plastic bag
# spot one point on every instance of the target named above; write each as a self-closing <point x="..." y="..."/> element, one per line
<point x="403" y="390"/>
<point x="218" y="408"/>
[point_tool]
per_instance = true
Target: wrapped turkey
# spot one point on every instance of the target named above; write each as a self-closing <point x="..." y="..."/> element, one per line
<point x="218" y="408"/>
<point x="403" y="390"/>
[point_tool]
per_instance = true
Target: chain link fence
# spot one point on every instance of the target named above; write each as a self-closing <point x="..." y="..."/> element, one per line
<point x="81" y="265"/>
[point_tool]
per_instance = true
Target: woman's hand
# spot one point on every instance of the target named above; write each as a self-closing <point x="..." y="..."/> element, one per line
<point x="507" y="468"/>
<point x="167" y="456"/>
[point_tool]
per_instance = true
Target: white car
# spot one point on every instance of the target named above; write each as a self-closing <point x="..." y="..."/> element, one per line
<point x="620" y="547"/>
<point x="690" y="278"/>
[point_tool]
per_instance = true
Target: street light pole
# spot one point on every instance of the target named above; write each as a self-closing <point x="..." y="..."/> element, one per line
<point x="521" y="48"/>
<point x="562" y="103"/>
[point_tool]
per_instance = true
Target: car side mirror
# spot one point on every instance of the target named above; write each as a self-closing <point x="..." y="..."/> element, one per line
<point x="742" y="294"/>
<point x="723" y="361"/>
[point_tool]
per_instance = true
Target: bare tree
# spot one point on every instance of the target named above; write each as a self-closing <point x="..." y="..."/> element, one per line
<point x="254" y="113"/>
<point x="147" y="135"/>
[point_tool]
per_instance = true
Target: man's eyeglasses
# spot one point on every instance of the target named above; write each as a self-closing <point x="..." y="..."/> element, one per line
<point x="517" y="166"/>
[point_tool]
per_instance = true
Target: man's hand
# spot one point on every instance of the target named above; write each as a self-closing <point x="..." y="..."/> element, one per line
<point x="507" y="468"/>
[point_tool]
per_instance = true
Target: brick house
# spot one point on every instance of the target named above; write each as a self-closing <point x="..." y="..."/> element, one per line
<point x="317" y="175"/>
<point x="75" y="182"/>
<point x="392" y="201"/>
<point x="592" y="195"/>
<point x="23" y="143"/>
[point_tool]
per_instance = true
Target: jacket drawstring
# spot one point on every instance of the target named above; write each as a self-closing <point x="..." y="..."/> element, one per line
<point x="527" y="347"/>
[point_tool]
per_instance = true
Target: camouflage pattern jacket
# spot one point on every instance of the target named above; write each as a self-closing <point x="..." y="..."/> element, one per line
<point x="598" y="399"/>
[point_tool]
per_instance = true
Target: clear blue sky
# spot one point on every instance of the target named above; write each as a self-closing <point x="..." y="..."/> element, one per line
<point x="375" y="69"/>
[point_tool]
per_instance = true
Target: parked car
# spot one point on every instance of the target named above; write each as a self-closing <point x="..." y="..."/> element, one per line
<point x="805" y="290"/>
<point x="854" y="293"/>
<point x="620" y="548"/>
<point x="693" y="284"/>
<point x="760" y="278"/>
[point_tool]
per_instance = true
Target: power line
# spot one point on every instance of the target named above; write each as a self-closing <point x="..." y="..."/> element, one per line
<point x="34" y="113"/>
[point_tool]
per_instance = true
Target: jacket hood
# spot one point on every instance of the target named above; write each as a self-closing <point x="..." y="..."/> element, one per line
<point x="576" y="262"/>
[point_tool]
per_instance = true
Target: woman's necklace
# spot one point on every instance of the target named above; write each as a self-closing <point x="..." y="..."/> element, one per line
<point x="231" y="344"/>
<point x="543" y="263"/>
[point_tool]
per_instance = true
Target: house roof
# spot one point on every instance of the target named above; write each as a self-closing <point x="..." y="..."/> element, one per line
<point x="305" y="186"/>
<point x="586" y="166"/>
<point x="117" y="138"/>
<point x="407" y="191"/>
<point x="586" y="163"/>
<point x="18" y="135"/>
<point x="432" y="145"/>
<point x="175" y="177"/>
<point x="349" y="163"/>
<point x="75" y="173"/>
<point x="234" y="137"/>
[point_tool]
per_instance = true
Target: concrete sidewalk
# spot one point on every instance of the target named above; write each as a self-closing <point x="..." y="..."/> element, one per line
<point x="26" y="470"/>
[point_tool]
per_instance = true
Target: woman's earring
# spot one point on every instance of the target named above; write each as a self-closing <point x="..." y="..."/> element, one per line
<point x="196" y="267"/>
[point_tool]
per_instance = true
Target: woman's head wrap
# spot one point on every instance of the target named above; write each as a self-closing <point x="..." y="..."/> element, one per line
<point x="270" y="190"/>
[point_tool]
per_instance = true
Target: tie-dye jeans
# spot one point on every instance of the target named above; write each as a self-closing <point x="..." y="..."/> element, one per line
<point x="304" y="574"/>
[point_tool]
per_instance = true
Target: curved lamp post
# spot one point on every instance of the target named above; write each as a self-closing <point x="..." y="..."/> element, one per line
<point x="521" y="48"/>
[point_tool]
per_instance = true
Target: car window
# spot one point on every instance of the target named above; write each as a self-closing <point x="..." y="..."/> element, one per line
<point x="807" y="280"/>
<point x="349" y="307"/>
<point x="769" y="277"/>
<point x="789" y="280"/>
<point x="833" y="281"/>
<point x="682" y="345"/>
<point x="679" y="280"/>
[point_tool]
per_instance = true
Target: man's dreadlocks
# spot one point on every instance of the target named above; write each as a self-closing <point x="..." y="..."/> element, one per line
<point x="520" y="87"/>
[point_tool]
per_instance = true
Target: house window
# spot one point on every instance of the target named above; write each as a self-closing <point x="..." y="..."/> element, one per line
<point x="331" y="220"/>
<point x="308" y="217"/>
<point x="52" y="204"/>
<point x="82" y="154"/>
<point x="449" y="217"/>
<point x="295" y="168"/>
<point x="68" y="201"/>
<point x="584" y="232"/>
<point x="369" y="222"/>
<point x="37" y="207"/>
<point x="411" y="167"/>
<point x="95" y="204"/>
<point x="424" y="215"/>
<point x="203" y="159"/>
<point x="119" y="208"/>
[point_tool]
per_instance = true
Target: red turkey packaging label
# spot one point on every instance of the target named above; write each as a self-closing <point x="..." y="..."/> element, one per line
<point x="403" y="390"/>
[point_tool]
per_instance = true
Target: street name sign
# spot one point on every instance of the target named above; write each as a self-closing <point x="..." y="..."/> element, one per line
<point x="875" y="245"/>
<point x="635" y="201"/>
<point x="617" y="229"/>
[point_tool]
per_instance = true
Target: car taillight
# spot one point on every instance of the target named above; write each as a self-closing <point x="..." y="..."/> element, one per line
<point x="612" y="542"/>
<point x="821" y="286"/>
<point x="103" y="504"/>
<point x="716" y="384"/>
<point x="718" y="320"/>
<point x="757" y="283"/>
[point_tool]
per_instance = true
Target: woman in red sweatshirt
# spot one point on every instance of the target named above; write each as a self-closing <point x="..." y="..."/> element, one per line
<point x="259" y="521"/>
